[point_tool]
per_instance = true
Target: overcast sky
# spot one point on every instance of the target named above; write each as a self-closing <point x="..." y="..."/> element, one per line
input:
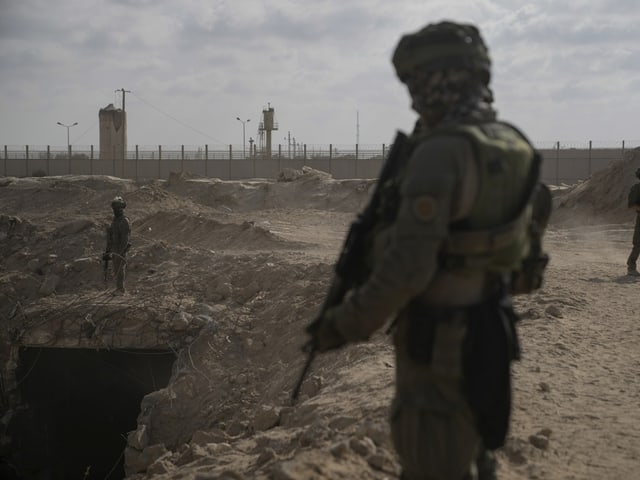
<point x="567" y="71"/>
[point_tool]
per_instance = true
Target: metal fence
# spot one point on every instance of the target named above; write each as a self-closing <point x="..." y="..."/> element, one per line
<point x="564" y="163"/>
<point x="227" y="162"/>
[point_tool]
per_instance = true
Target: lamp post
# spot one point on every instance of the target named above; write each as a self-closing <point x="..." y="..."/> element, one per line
<point x="244" y="155"/>
<point x="68" y="144"/>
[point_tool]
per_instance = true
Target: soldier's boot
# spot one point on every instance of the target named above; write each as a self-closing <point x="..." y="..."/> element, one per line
<point x="633" y="272"/>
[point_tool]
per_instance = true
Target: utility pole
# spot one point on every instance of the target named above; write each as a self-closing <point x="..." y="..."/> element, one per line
<point x="124" y="127"/>
<point x="123" y="95"/>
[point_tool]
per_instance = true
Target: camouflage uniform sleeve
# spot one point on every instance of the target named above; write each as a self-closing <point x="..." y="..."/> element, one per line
<point x="429" y="200"/>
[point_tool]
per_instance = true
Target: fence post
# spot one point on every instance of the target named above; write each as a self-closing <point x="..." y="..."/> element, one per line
<point x="27" y="160"/>
<point x="558" y="163"/>
<point x="6" y="157"/>
<point x="383" y="151"/>
<point x="206" y="160"/>
<point x="331" y="159"/>
<point x="48" y="160"/>
<point x="355" y="164"/>
<point x="230" y="157"/>
<point x="159" y="162"/>
<point x="182" y="158"/>
<point x="589" y="172"/>
<point x="91" y="161"/>
<point x="137" y="159"/>
<point x="305" y="152"/>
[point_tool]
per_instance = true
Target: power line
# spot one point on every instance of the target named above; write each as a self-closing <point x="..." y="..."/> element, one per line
<point x="175" y="119"/>
<point x="85" y="132"/>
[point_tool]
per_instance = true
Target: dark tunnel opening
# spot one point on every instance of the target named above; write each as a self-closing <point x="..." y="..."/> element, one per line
<point x="77" y="406"/>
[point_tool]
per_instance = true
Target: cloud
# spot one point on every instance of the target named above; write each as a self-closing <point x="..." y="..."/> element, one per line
<point x="318" y="63"/>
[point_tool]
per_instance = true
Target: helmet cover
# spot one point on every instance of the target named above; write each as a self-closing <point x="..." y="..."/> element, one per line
<point x="118" y="203"/>
<point x="441" y="46"/>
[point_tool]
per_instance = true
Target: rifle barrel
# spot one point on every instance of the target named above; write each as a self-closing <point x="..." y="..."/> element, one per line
<point x="303" y="374"/>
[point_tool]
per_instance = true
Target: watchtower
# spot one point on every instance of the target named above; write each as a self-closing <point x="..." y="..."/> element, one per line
<point x="267" y="125"/>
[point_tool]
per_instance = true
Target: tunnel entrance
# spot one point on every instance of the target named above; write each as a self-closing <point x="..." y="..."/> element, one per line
<point x="77" y="406"/>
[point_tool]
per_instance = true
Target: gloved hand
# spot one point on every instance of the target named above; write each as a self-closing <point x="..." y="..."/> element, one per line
<point x="106" y="256"/>
<point x="324" y="335"/>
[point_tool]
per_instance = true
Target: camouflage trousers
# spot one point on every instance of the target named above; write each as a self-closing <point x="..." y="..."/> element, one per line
<point x="432" y="424"/>
<point x="635" y="251"/>
<point x="453" y="388"/>
<point x="119" y="270"/>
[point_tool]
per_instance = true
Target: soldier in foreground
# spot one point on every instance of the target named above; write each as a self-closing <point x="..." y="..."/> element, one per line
<point x="634" y="204"/>
<point x="118" y="243"/>
<point x="452" y="231"/>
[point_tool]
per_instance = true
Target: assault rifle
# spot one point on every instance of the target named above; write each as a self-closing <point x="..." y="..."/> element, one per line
<point x="351" y="269"/>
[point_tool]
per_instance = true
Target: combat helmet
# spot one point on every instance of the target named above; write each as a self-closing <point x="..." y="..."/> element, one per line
<point x="118" y="203"/>
<point x="442" y="45"/>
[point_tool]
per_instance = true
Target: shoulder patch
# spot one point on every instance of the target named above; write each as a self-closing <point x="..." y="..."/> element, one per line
<point x="425" y="208"/>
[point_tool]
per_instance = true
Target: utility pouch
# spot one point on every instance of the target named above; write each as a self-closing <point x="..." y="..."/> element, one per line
<point x="530" y="277"/>
<point x="531" y="274"/>
<point x="490" y="347"/>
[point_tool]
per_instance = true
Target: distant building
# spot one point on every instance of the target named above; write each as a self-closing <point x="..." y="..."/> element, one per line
<point x="113" y="133"/>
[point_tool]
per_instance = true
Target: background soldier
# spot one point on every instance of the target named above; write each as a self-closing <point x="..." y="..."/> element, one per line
<point x="118" y="242"/>
<point x="454" y="234"/>
<point x="634" y="204"/>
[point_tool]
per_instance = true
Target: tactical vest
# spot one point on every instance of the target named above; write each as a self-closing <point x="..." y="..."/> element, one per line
<point x="503" y="232"/>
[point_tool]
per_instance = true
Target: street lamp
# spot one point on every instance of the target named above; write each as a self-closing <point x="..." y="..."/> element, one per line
<point x="68" y="144"/>
<point x="244" y="155"/>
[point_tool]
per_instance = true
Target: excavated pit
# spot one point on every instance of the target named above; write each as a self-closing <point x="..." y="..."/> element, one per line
<point x="77" y="406"/>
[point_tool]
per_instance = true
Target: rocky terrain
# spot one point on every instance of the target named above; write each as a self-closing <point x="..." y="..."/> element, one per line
<point x="190" y="373"/>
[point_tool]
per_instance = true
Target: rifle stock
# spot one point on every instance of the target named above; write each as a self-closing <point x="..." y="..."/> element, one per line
<point x="351" y="269"/>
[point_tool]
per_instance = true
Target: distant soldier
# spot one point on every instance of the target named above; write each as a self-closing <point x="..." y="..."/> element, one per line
<point x="634" y="204"/>
<point x="118" y="242"/>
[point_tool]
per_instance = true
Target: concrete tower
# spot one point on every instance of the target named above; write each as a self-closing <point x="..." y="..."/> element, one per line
<point x="113" y="133"/>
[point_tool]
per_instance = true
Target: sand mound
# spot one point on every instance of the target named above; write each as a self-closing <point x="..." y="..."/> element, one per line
<point x="602" y="198"/>
<point x="223" y="277"/>
<point x="199" y="231"/>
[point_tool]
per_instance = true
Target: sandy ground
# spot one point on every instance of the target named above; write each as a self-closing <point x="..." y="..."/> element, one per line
<point x="258" y="255"/>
